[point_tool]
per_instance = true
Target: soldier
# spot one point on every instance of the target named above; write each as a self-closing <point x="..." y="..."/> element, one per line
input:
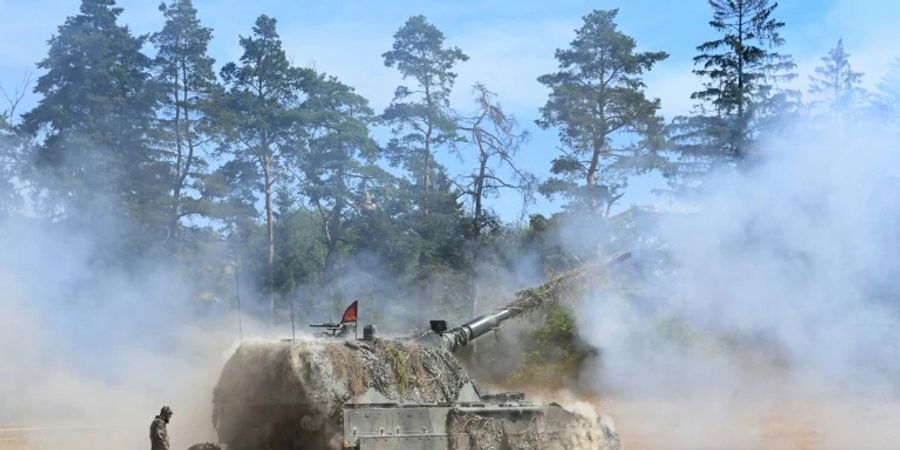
<point x="159" y="437"/>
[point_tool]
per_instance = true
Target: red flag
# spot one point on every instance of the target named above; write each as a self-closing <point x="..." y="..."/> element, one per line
<point x="350" y="313"/>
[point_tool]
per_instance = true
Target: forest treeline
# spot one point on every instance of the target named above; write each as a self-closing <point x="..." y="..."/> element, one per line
<point x="274" y="170"/>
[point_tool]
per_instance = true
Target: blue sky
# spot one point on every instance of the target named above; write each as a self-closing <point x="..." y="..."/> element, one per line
<point x="510" y="44"/>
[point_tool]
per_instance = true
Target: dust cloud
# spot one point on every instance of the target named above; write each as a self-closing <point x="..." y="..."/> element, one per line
<point x="764" y="314"/>
<point x="89" y="355"/>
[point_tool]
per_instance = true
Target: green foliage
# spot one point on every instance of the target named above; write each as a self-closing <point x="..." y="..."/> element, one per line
<point x="740" y="99"/>
<point x="260" y="116"/>
<point x="184" y="74"/>
<point x="296" y="196"/>
<point x="419" y="52"/>
<point x="420" y="117"/>
<point x="302" y="255"/>
<point x="541" y="239"/>
<point x="339" y="165"/>
<point x="886" y="104"/>
<point x="607" y="126"/>
<point x="434" y="245"/>
<point x="431" y="224"/>
<point x="259" y="112"/>
<point x="554" y="354"/>
<point x="96" y="107"/>
<point x="836" y="87"/>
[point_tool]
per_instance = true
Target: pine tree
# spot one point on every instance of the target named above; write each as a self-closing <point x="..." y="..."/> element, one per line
<point x="338" y="169"/>
<point x="608" y="128"/>
<point x="184" y="73"/>
<point x="836" y="86"/>
<point x="428" y="214"/>
<point x="93" y="120"/>
<point x="886" y="104"/>
<point x="421" y="116"/>
<point x="261" y="116"/>
<point x="740" y="98"/>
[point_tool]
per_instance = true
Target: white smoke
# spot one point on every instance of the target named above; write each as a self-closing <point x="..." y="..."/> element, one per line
<point x="778" y="289"/>
<point x="91" y="352"/>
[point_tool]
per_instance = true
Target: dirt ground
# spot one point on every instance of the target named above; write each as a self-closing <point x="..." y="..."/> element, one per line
<point x="642" y="424"/>
<point x="72" y="437"/>
<point x="793" y="425"/>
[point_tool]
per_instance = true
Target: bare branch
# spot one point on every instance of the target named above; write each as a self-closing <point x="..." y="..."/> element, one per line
<point x="13" y="100"/>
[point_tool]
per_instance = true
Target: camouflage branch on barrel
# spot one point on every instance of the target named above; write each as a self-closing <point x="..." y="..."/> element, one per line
<point x="543" y="297"/>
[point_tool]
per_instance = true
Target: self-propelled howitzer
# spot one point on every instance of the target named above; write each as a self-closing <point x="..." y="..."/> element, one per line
<point x="376" y="393"/>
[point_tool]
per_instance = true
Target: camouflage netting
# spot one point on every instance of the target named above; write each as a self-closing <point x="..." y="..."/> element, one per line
<point x="551" y="428"/>
<point x="541" y="298"/>
<point x="563" y="287"/>
<point x="291" y="394"/>
<point x="267" y="387"/>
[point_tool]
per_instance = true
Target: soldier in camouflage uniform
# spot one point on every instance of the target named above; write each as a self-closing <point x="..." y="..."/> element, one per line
<point x="159" y="437"/>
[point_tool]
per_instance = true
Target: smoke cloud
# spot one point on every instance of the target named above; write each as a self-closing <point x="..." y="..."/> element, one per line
<point x="771" y="321"/>
<point x="762" y="316"/>
<point x="90" y="352"/>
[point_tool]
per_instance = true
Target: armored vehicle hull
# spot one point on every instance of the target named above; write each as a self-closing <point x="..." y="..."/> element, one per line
<point x="383" y="394"/>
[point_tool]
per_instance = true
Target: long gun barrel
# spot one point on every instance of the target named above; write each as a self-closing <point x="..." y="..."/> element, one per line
<point x="525" y="300"/>
<point x="460" y="336"/>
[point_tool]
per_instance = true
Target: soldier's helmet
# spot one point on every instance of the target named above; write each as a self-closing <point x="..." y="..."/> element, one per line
<point x="165" y="411"/>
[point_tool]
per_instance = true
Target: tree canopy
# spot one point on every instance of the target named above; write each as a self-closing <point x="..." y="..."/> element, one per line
<point x="283" y="182"/>
<point x="741" y="97"/>
<point x="96" y="107"/>
<point x="608" y="128"/>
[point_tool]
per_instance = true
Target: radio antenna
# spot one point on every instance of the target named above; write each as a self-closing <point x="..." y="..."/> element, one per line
<point x="237" y="294"/>
<point x="293" y="330"/>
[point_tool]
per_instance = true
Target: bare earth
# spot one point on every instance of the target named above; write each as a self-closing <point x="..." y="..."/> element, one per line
<point x="794" y="425"/>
